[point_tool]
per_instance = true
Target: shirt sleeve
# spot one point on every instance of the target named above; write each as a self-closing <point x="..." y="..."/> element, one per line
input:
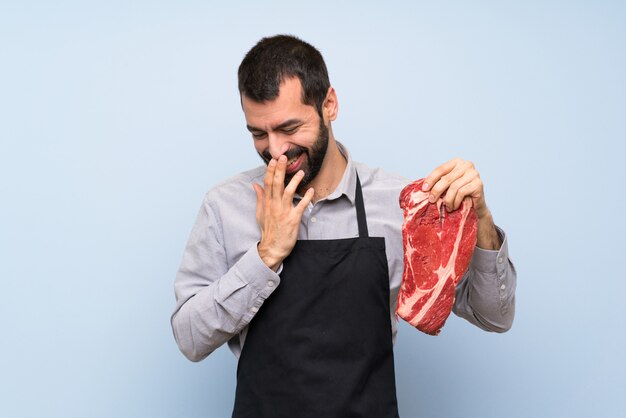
<point x="485" y="296"/>
<point x="214" y="302"/>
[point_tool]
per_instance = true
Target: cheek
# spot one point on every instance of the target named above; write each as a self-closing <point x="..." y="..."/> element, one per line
<point x="305" y="138"/>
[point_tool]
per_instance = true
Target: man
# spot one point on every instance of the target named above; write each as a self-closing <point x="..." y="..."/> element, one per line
<point x="297" y="264"/>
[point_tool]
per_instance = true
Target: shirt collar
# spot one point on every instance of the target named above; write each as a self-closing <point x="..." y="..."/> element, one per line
<point x="347" y="184"/>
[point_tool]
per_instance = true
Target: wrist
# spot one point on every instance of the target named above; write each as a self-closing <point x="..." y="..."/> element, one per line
<point x="483" y="214"/>
<point x="270" y="260"/>
<point x="487" y="236"/>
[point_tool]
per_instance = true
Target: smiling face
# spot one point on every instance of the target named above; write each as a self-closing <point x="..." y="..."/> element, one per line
<point x="287" y="126"/>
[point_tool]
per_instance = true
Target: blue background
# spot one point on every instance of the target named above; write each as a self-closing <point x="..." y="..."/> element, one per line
<point x="116" y="117"/>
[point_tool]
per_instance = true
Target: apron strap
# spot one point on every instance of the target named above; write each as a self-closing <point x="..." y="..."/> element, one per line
<point x="360" y="210"/>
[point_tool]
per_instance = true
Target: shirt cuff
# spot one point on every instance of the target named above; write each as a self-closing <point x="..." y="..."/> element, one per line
<point x="252" y="270"/>
<point x="492" y="261"/>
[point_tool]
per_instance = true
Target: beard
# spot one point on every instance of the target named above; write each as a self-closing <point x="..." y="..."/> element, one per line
<point x="314" y="158"/>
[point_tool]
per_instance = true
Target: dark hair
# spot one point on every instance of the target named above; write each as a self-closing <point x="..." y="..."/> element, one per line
<point x="274" y="59"/>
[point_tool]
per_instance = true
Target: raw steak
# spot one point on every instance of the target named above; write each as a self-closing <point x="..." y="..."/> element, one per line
<point x="438" y="247"/>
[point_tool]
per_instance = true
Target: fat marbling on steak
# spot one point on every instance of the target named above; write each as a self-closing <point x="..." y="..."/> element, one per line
<point x="438" y="247"/>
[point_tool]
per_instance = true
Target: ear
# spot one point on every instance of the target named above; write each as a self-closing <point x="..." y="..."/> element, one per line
<point x="331" y="105"/>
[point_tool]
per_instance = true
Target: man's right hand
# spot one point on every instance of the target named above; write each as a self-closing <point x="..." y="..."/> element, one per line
<point x="278" y="218"/>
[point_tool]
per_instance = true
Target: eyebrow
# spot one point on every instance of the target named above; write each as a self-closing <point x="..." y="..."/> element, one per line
<point x="283" y="125"/>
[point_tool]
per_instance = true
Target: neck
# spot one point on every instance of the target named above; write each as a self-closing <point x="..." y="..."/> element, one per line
<point x="330" y="173"/>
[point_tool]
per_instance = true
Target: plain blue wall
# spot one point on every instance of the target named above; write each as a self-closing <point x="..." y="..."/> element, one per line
<point x="116" y="117"/>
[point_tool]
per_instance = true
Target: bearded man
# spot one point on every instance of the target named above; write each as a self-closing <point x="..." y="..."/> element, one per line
<point x="296" y="264"/>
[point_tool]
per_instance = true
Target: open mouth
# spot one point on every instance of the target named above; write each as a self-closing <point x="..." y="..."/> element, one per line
<point x="294" y="163"/>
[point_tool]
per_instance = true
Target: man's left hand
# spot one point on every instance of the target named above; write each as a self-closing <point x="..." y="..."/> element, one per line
<point x="459" y="179"/>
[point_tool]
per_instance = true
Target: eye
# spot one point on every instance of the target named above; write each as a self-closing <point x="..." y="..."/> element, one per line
<point x="290" y="131"/>
<point x="258" y="135"/>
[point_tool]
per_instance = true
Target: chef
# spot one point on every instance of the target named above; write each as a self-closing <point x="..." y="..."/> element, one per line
<point x="296" y="264"/>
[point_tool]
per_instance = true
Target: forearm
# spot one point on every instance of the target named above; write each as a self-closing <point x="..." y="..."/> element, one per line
<point x="486" y="295"/>
<point x="204" y="322"/>
<point x="487" y="236"/>
<point x="209" y="313"/>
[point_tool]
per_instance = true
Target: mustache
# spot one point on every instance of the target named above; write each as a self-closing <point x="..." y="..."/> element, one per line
<point x="291" y="153"/>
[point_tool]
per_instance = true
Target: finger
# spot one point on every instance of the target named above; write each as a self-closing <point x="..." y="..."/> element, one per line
<point x="466" y="191"/>
<point x="268" y="180"/>
<point x="444" y="183"/>
<point x="258" y="190"/>
<point x="292" y="187"/>
<point x="452" y="200"/>
<point x="438" y="172"/>
<point x="279" y="178"/>
<point x="475" y="190"/>
<point x="306" y="199"/>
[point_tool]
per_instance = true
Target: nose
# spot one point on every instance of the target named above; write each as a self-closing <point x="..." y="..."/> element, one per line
<point x="277" y="145"/>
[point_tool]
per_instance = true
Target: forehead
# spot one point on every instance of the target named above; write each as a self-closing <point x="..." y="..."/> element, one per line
<point x="287" y="105"/>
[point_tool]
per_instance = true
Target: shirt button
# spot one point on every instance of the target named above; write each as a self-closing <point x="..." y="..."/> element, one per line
<point x="503" y="287"/>
<point x="270" y="284"/>
<point x="313" y="219"/>
<point x="500" y="260"/>
<point x="254" y="309"/>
